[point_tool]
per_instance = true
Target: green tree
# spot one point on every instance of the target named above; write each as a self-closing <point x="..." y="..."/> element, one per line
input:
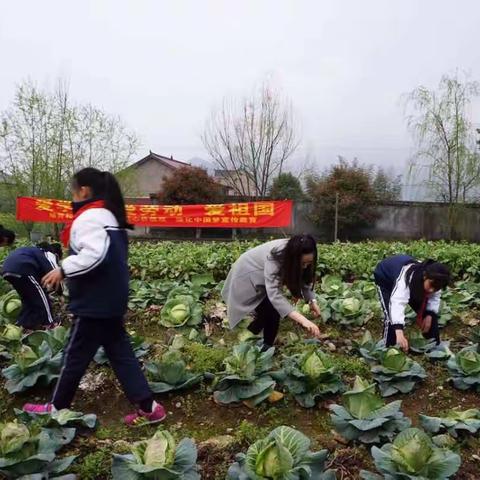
<point x="357" y="199"/>
<point x="45" y="138"/>
<point x="388" y="188"/>
<point x="446" y="146"/>
<point x="287" y="186"/>
<point x="190" y="185"/>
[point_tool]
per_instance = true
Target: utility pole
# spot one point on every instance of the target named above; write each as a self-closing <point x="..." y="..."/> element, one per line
<point x="336" y="217"/>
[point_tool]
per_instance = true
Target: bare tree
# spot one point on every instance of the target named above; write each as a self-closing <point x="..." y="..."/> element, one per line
<point x="250" y="139"/>
<point x="445" y="138"/>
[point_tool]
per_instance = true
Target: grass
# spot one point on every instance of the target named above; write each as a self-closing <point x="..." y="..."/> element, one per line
<point x="94" y="465"/>
<point x="204" y="358"/>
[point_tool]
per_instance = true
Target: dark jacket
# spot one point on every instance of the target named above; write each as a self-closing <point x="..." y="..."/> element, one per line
<point x="29" y="261"/>
<point x="97" y="267"/>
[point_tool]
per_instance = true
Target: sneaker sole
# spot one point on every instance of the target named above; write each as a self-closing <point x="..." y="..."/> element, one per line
<point x="146" y="422"/>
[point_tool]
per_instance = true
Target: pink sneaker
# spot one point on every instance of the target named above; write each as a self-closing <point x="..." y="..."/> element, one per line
<point x="38" y="408"/>
<point x="142" y="418"/>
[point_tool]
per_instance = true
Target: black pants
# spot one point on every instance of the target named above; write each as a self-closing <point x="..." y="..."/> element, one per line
<point x="36" y="307"/>
<point x="86" y="336"/>
<point x="389" y="332"/>
<point x="266" y="319"/>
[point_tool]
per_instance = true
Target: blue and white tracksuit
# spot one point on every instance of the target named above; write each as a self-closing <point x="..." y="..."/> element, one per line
<point x="97" y="276"/>
<point x="395" y="294"/>
<point x="24" y="269"/>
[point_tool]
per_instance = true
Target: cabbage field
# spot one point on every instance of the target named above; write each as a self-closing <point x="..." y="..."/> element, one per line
<point x="342" y="407"/>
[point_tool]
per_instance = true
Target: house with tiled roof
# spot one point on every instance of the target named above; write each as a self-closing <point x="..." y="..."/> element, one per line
<point x="144" y="178"/>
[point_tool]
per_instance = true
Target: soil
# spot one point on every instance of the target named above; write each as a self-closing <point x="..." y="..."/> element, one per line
<point x="195" y="414"/>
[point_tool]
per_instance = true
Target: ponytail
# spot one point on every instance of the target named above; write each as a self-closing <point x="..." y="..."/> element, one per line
<point x="114" y="200"/>
<point x="104" y="187"/>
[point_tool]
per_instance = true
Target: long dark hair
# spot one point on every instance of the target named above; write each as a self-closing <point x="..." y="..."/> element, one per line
<point x="437" y="273"/>
<point x="289" y="258"/>
<point x="104" y="187"/>
<point x="6" y="236"/>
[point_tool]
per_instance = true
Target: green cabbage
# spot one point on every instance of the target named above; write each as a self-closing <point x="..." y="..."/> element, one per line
<point x="10" y="305"/>
<point x="469" y="362"/>
<point x="283" y="455"/>
<point x="362" y="400"/>
<point x="158" y="451"/>
<point x="25" y="357"/>
<point x="365" y="417"/>
<point x="11" y="333"/>
<point x="181" y="310"/>
<point x="412" y="450"/>
<point x="159" y="458"/>
<point x="13" y="436"/>
<point x="413" y="455"/>
<point x="313" y="365"/>
<point x="395" y="360"/>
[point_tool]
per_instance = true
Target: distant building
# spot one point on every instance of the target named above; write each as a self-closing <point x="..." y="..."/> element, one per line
<point x="144" y="178"/>
<point x="236" y="183"/>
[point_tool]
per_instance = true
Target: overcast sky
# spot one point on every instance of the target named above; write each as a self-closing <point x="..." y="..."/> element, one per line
<point x="163" y="65"/>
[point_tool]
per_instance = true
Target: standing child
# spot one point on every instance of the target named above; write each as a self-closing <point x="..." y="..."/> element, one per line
<point x="401" y="280"/>
<point x="98" y="281"/>
<point x="24" y="269"/>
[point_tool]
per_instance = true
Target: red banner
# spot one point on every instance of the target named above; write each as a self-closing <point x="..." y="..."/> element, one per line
<point x="227" y="215"/>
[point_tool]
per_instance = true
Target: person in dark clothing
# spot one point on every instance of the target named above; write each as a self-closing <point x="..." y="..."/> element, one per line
<point x="96" y="272"/>
<point x="401" y="280"/>
<point x="24" y="269"/>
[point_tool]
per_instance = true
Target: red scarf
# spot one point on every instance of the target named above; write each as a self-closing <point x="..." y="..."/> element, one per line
<point x="65" y="235"/>
<point x="422" y="311"/>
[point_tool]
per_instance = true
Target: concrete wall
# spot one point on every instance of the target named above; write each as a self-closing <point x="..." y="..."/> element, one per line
<point x="397" y="221"/>
<point x="407" y="220"/>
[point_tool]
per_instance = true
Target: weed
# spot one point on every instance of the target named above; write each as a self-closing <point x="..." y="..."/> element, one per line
<point x="94" y="465"/>
<point x="204" y="358"/>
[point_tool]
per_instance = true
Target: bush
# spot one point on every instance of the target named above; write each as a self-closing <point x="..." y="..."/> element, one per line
<point x="190" y="185"/>
<point x="357" y="199"/>
<point x="286" y="187"/>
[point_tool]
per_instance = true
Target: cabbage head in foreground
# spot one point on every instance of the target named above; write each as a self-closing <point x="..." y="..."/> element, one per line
<point x="181" y="310"/>
<point x="171" y="373"/>
<point x="309" y="376"/>
<point x="159" y="458"/>
<point x="465" y="368"/>
<point x="455" y="422"/>
<point x="396" y="372"/>
<point x="413" y="455"/>
<point x="247" y="376"/>
<point x="365" y="417"/>
<point x="29" y="451"/>
<point x="283" y="455"/>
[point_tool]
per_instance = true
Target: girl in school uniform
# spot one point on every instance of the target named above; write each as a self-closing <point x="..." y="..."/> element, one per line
<point x="96" y="272"/>
<point x="256" y="281"/>
<point x="401" y="280"/>
<point x="24" y="269"/>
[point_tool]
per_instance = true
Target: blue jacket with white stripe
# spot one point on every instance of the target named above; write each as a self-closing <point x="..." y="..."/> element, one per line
<point x="97" y="267"/>
<point x="29" y="261"/>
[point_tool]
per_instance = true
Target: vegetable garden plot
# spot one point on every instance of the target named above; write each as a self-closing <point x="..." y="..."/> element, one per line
<point x="190" y="357"/>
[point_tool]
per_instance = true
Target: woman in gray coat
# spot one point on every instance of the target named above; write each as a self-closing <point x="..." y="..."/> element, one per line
<point x="256" y="281"/>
